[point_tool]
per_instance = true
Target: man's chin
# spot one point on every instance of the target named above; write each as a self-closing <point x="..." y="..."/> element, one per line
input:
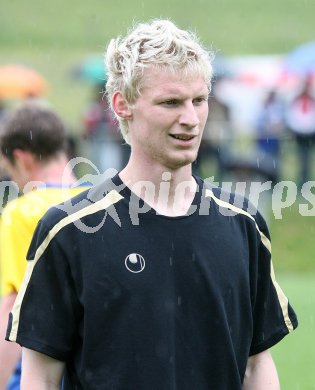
<point x="182" y="162"/>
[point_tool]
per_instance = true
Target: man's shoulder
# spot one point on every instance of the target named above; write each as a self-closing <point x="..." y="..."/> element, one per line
<point x="225" y="198"/>
<point x="18" y="207"/>
<point x="32" y="205"/>
<point x="89" y="201"/>
<point x="230" y="203"/>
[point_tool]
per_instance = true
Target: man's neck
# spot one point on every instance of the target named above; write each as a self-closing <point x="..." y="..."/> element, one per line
<point x="169" y="192"/>
<point x="55" y="171"/>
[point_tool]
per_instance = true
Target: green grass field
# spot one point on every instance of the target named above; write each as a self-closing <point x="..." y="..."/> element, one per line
<point x="293" y="239"/>
<point x="55" y="36"/>
<point x="295" y="355"/>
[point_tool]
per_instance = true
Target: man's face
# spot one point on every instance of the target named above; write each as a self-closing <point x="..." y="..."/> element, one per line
<point x="168" y="119"/>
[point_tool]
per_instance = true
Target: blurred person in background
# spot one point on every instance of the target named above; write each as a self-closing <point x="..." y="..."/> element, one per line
<point x="4" y="177"/>
<point x="215" y="137"/>
<point x="270" y="129"/>
<point x="300" y="120"/>
<point x="33" y="143"/>
<point x="180" y="294"/>
<point x="104" y="143"/>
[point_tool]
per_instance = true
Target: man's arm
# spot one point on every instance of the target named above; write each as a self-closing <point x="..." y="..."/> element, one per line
<point x="10" y="353"/>
<point x="261" y="373"/>
<point x="40" y="372"/>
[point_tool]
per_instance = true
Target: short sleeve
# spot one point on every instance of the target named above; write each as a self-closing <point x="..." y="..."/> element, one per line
<point x="273" y="316"/>
<point x="15" y="239"/>
<point x="46" y="310"/>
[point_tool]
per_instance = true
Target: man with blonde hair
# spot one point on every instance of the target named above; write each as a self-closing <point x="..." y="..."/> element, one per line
<point x="173" y="288"/>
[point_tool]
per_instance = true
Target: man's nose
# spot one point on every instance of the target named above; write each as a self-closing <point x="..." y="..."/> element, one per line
<point x="189" y="116"/>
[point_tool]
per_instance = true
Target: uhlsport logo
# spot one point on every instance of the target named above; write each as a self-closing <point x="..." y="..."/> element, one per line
<point x="134" y="263"/>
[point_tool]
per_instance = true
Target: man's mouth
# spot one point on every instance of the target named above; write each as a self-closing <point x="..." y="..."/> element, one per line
<point x="182" y="137"/>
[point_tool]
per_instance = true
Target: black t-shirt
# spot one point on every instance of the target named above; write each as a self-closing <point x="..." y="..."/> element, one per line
<point x="133" y="300"/>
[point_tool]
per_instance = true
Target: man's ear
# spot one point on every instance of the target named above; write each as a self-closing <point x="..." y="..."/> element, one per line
<point x="24" y="159"/>
<point x="120" y="106"/>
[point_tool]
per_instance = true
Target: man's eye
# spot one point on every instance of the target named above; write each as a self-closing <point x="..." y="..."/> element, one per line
<point x="171" y="102"/>
<point x="200" y="100"/>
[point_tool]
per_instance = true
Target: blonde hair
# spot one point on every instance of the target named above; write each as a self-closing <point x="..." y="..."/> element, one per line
<point x="160" y="43"/>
